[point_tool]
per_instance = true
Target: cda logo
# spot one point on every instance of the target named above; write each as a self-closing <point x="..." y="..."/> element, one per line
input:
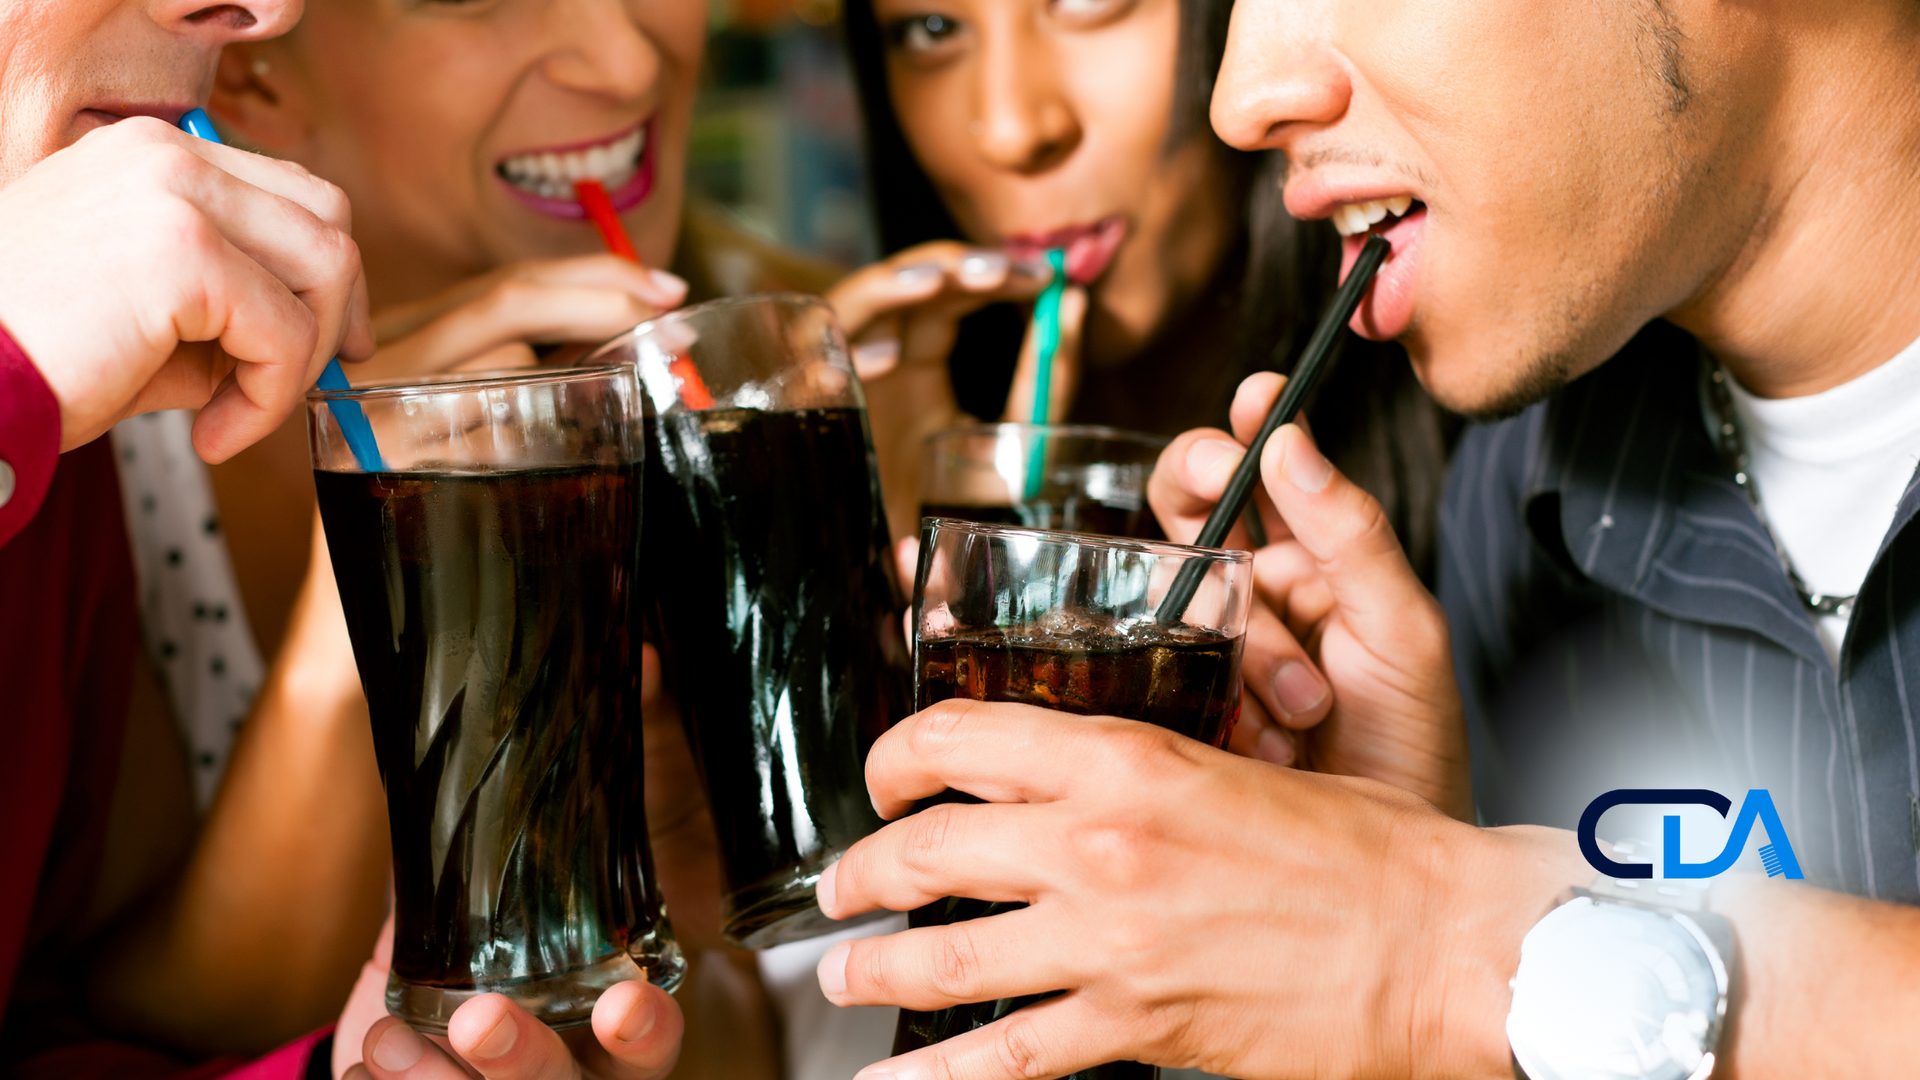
<point x="1757" y="807"/>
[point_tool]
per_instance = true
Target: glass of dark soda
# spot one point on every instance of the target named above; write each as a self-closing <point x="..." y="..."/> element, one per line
<point x="1069" y="622"/>
<point x="1069" y="477"/>
<point x="779" y="614"/>
<point x="489" y="565"/>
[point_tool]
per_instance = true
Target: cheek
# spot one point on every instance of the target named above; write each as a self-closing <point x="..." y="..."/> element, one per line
<point x="934" y="110"/>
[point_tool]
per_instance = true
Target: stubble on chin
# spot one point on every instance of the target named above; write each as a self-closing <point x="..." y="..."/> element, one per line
<point x="1537" y="379"/>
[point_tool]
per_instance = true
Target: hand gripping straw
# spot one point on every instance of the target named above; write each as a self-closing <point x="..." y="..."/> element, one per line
<point x="352" y="421"/>
<point x="1314" y="363"/>
<point x="599" y="207"/>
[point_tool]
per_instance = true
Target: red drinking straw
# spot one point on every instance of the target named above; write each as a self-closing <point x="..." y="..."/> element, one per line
<point x="593" y="199"/>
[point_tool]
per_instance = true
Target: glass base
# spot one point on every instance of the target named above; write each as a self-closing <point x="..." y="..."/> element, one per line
<point x="560" y="1001"/>
<point x="782" y="909"/>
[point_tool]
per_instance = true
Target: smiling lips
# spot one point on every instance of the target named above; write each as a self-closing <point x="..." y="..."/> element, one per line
<point x="544" y="179"/>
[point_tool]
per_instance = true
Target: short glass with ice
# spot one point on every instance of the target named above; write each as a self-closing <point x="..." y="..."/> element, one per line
<point x="1069" y="622"/>
<point x="1072" y="477"/>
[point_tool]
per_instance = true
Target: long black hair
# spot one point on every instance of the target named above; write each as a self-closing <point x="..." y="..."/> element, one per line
<point x="1371" y="417"/>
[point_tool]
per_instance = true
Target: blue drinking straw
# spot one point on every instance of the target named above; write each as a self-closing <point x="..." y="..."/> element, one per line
<point x="352" y="421"/>
<point x="1046" y="332"/>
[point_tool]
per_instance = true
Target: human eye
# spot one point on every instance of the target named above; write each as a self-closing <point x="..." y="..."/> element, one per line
<point x="921" y="34"/>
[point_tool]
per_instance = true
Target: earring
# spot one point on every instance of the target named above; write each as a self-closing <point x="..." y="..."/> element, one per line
<point x="261" y="68"/>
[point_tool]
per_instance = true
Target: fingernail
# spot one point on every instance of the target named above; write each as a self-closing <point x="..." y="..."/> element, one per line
<point x="833" y="970"/>
<point x="1299" y="689"/>
<point x="1274" y="746"/>
<point x="876" y="1074"/>
<point x="639" y="1020"/>
<point x="823" y="890"/>
<point x="983" y="268"/>
<point x="666" y="282"/>
<point x="917" y="276"/>
<point x="873" y="357"/>
<point x="498" y="1041"/>
<point x="1038" y="269"/>
<point x="398" y="1049"/>
<point x="1210" y="457"/>
<point x="1304" y="465"/>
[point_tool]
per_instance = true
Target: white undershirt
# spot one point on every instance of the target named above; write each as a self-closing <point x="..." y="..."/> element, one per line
<point x="1830" y="468"/>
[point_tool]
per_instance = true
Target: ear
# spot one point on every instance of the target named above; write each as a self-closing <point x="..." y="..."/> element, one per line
<point x="259" y="97"/>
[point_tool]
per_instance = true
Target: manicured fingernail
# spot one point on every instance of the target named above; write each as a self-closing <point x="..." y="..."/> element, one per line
<point x="1299" y="688"/>
<point x="983" y="269"/>
<point x="824" y="889"/>
<point x="874" y="357"/>
<point x="917" y="276"/>
<point x="398" y="1049"/>
<point x="833" y="970"/>
<point x="1304" y="465"/>
<point x="639" y="1020"/>
<point x="498" y="1041"/>
<point x="666" y="282"/>
<point x="1037" y="269"/>
<point x="1213" y="459"/>
<point x="1274" y="746"/>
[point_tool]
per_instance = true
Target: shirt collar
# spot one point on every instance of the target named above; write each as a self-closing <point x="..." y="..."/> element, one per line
<point x="1630" y="494"/>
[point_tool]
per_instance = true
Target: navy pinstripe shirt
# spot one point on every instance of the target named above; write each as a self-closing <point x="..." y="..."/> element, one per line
<point x="1621" y="619"/>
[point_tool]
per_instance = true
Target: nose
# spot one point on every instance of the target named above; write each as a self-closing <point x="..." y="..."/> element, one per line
<point x="1278" y="78"/>
<point x="234" y="20"/>
<point x="1022" y="121"/>
<point x="599" y="49"/>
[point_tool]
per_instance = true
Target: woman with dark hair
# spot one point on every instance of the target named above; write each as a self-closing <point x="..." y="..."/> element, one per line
<point x="997" y="128"/>
<point x="1000" y="128"/>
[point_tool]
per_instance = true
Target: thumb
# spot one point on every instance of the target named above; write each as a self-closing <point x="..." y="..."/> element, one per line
<point x="1345" y="531"/>
<point x="1066" y="363"/>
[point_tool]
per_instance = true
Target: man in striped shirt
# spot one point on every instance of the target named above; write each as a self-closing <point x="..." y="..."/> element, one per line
<point x="1667" y="240"/>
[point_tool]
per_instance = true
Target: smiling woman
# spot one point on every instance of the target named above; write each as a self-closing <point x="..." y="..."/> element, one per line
<point x="457" y="130"/>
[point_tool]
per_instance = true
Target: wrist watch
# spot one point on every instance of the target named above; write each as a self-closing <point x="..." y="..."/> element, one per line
<point x="1626" y="980"/>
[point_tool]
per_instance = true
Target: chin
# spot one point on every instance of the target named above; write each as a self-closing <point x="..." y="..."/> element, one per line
<point x="1465" y="380"/>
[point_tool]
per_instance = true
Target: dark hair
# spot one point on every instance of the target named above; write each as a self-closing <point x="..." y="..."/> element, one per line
<point x="1372" y="418"/>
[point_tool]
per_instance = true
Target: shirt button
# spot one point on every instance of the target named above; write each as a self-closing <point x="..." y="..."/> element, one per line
<point x="6" y="483"/>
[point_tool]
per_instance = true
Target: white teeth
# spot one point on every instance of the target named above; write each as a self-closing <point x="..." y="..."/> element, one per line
<point x="1353" y="219"/>
<point x="552" y="175"/>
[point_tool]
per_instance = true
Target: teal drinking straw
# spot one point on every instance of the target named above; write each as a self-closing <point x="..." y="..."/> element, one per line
<point x="1046" y="333"/>
<point x="352" y="421"/>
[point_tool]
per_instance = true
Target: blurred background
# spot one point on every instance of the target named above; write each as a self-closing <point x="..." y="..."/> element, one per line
<point x="776" y="133"/>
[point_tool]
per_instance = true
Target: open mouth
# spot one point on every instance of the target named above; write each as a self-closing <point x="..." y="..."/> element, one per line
<point x="1387" y="311"/>
<point x="1356" y="218"/>
<point x="544" y="178"/>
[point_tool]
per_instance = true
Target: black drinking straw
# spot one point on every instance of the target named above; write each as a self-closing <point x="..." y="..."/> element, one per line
<point x="1306" y="375"/>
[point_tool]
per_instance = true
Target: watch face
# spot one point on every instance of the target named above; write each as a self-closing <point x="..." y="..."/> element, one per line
<point x="1611" y="992"/>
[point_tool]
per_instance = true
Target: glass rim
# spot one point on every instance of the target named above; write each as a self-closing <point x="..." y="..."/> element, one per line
<point x="1160" y="548"/>
<point x="1091" y="431"/>
<point x="464" y="382"/>
<point x="781" y="296"/>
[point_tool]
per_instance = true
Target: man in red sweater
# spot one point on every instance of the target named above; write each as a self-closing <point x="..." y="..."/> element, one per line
<point x="143" y="269"/>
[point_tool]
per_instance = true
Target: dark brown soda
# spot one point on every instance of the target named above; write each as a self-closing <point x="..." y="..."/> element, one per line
<point x="781" y="625"/>
<point x="1184" y="679"/>
<point x="1070" y="515"/>
<point x="496" y="627"/>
